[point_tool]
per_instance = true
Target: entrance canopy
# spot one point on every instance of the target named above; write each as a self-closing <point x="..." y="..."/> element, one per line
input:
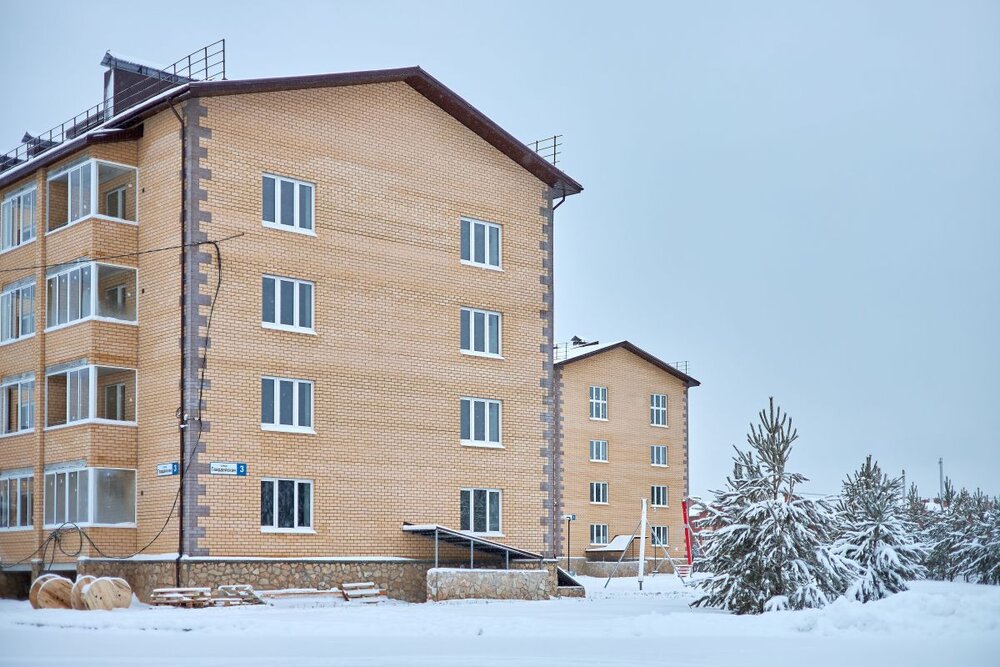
<point x="442" y="534"/>
<point x="619" y="543"/>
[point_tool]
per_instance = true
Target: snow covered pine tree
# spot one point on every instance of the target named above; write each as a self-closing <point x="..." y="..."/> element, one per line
<point x="766" y="549"/>
<point x="978" y="545"/>
<point x="876" y="533"/>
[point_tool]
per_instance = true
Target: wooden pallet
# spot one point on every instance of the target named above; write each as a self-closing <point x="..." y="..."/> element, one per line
<point x="244" y="593"/>
<point x="189" y="598"/>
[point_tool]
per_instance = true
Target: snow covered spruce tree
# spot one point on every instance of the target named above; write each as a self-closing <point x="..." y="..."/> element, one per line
<point x="876" y="533"/>
<point x="767" y="547"/>
<point x="976" y="539"/>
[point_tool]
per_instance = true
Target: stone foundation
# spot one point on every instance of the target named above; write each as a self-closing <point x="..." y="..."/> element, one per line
<point x="463" y="584"/>
<point x="604" y="569"/>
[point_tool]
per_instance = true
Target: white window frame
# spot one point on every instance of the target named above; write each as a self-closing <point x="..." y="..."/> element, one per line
<point x="471" y="350"/>
<point x="296" y="214"/>
<point x="601" y="447"/>
<point x="598" y="396"/>
<point x="119" y="194"/>
<point x="14" y="294"/>
<point x="93" y="397"/>
<point x="12" y="200"/>
<point x="599" y="490"/>
<point x="653" y="530"/>
<point x="94" y="298"/>
<point x="311" y="528"/>
<point x="17" y="477"/>
<point x="296" y="304"/>
<point x="91" y="496"/>
<point x="472" y="511"/>
<point x="22" y="427"/>
<point x="94" y="165"/>
<point x="654" y="456"/>
<point x="598" y="534"/>
<point x="294" y="427"/>
<point x="654" y="492"/>
<point x="487" y="226"/>
<point x="119" y="389"/>
<point x="471" y="440"/>
<point x="658" y="410"/>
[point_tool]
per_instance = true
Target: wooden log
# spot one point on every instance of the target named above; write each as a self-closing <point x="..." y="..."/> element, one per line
<point x="33" y="593"/>
<point x="107" y="593"/>
<point x="56" y="593"/>
<point x="76" y="595"/>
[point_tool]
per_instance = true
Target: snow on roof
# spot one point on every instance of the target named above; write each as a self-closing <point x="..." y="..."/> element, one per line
<point x="118" y="55"/>
<point x="620" y="543"/>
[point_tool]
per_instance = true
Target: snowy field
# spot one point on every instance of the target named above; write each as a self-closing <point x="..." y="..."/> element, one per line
<point x="933" y="624"/>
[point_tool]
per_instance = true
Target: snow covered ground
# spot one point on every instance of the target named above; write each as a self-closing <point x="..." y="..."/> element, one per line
<point x="933" y="624"/>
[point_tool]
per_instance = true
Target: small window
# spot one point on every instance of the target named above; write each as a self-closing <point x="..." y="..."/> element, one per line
<point x="17" y="311"/>
<point x="480" y="510"/>
<point x="17" y="219"/>
<point x="658" y="494"/>
<point x="480" y="332"/>
<point x="658" y="455"/>
<point x="16" y="501"/>
<point x="599" y="451"/>
<point x="599" y="493"/>
<point x="480" y="243"/>
<point x="17" y="404"/>
<point x="599" y="403"/>
<point x="658" y="409"/>
<point x="287" y="304"/>
<point x="114" y="401"/>
<point x="480" y="422"/>
<point x="114" y="202"/>
<point x="598" y="533"/>
<point x="287" y="204"/>
<point x="286" y="405"/>
<point x="286" y="505"/>
<point x="659" y="536"/>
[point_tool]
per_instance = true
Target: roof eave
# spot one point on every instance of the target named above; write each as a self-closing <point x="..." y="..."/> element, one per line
<point x="639" y="352"/>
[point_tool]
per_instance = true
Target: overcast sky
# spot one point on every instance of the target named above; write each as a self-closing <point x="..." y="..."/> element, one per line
<point x="802" y="201"/>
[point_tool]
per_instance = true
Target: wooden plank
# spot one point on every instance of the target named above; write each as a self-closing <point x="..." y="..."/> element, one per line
<point x="363" y="584"/>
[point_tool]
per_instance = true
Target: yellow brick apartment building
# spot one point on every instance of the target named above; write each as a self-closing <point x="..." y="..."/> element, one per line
<point x="623" y="417"/>
<point x="249" y="329"/>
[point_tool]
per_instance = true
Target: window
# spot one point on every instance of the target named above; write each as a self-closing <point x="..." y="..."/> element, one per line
<point x="90" y="496"/>
<point x="480" y="243"/>
<point x="17" y="404"/>
<point x="17" y="219"/>
<point x="286" y="505"/>
<point x="658" y="455"/>
<point x="480" y="332"/>
<point x="114" y="401"/>
<point x="599" y="403"/>
<point x="480" y="510"/>
<point x="286" y="405"/>
<point x="599" y="492"/>
<point x="598" y="533"/>
<point x="480" y="422"/>
<point x="74" y="191"/>
<point x="114" y="202"/>
<point x="90" y="291"/>
<point x="287" y="304"/>
<point x="72" y="392"/>
<point x="17" y="310"/>
<point x="16" y="500"/>
<point x="659" y="535"/>
<point x="658" y="409"/>
<point x="599" y="451"/>
<point x="287" y="204"/>
<point x="659" y="496"/>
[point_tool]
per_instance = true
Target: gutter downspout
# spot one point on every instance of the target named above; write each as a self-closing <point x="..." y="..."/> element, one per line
<point x="181" y="416"/>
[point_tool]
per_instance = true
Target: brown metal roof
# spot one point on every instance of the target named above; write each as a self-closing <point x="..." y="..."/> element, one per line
<point x="415" y="77"/>
<point x="639" y="352"/>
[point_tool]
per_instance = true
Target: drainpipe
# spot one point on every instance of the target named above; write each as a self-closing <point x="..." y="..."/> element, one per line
<point x="181" y="416"/>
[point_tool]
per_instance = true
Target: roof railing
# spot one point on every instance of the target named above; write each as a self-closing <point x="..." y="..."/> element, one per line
<point x="548" y="148"/>
<point x="205" y="64"/>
